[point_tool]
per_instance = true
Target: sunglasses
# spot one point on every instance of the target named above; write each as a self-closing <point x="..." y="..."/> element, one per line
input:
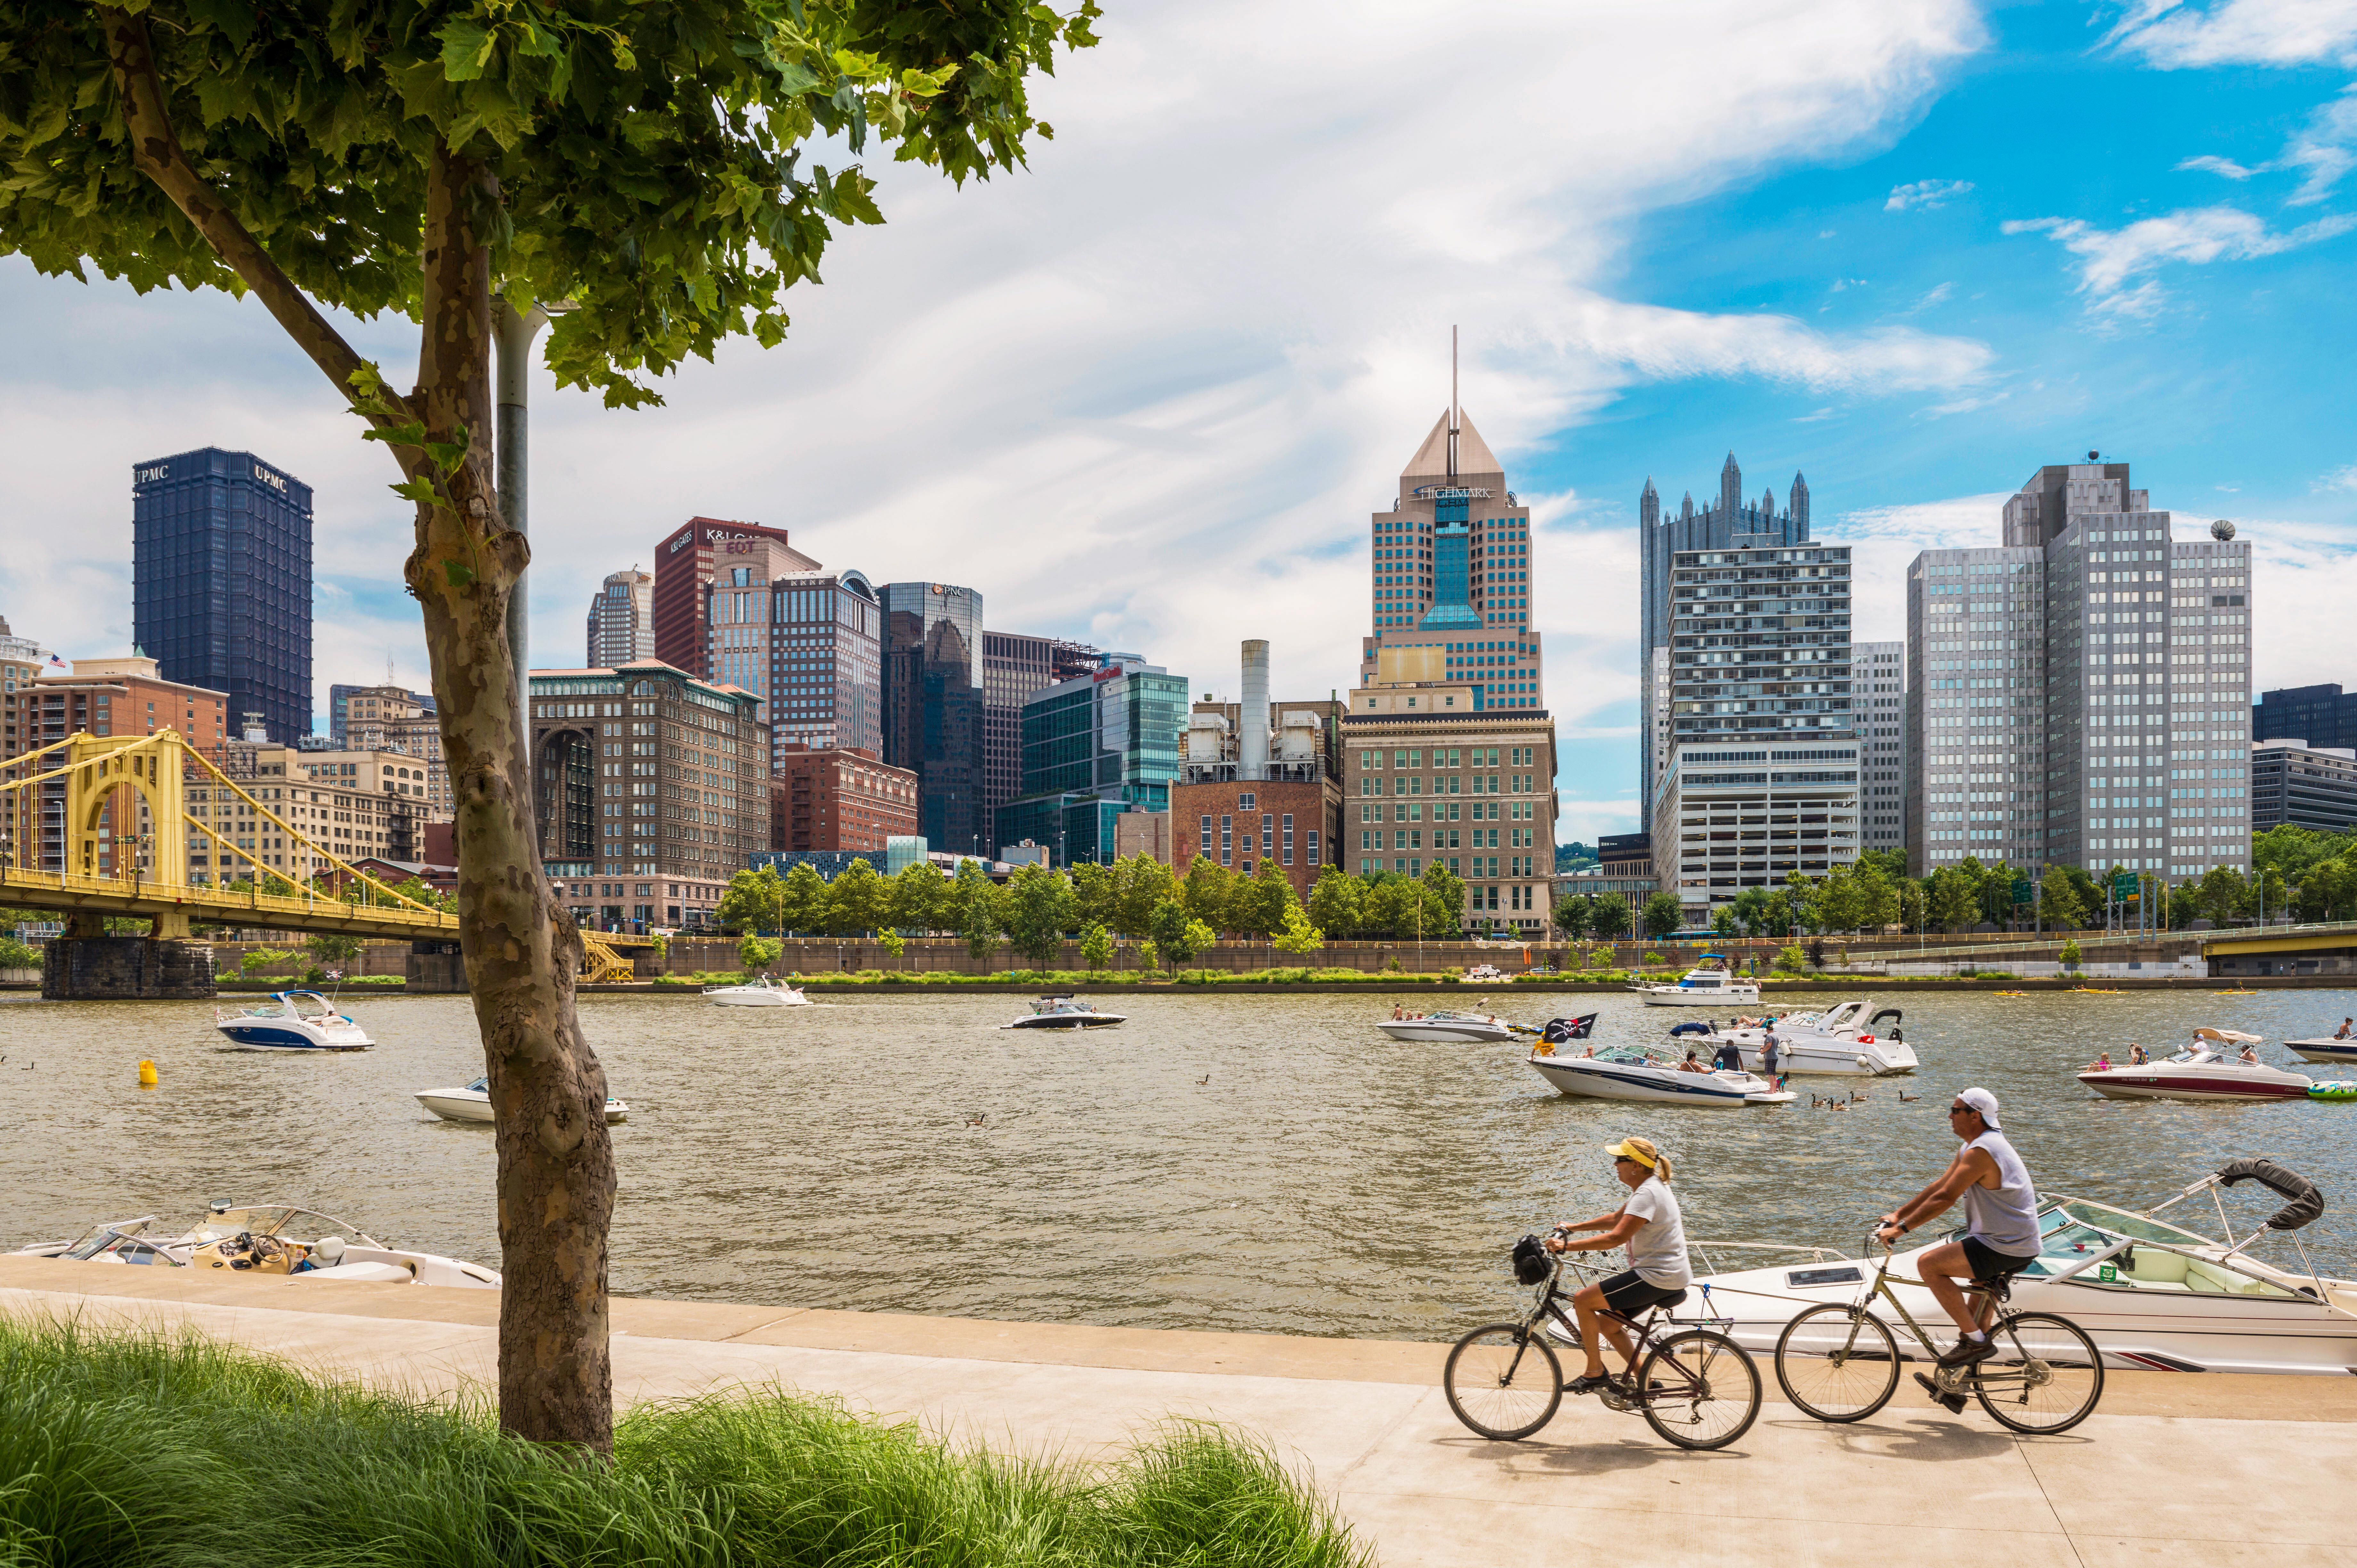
<point x="1958" y="1109"/>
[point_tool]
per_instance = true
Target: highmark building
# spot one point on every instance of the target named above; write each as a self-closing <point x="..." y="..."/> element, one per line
<point x="2079" y="695"/>
<point x="1095" y="746"/>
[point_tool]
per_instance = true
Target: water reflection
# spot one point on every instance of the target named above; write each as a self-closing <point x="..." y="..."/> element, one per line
<point x="1252" y="1162"/>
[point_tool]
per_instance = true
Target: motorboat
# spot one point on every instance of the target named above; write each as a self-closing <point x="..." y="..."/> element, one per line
<point x="473" y="1103"/>
<point x="759" y="991"/>
<point x="267" y="1238"/>
<point x="1709" y="984"/>
<point x="1478" y="1028"/>
<point x="1848" y="1040"/>
<point x="293" y="1021"/>
<point x="1066" y="1012"/>
<point x="2152" y="1294"/>
<point x="2328" y="1049"/>
<point x="1649" y="1076"/>
<point x="2209" y="1068"/>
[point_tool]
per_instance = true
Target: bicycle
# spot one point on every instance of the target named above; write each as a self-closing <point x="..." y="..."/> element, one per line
<point x="1695" y="1386"/>
<point x="1841" y="1363"/>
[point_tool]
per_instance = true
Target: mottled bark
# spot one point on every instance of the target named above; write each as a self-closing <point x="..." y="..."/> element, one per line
<point x="555" y="1160"/>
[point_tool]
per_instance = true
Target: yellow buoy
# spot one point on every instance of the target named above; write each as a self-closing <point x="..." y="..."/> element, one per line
<point x="147" y="1075"/>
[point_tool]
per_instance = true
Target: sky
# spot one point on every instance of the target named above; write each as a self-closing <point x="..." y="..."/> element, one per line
<point x="1147" y="391"/>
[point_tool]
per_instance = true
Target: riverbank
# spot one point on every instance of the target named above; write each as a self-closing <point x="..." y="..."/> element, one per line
<point x="2170" y="1464"/>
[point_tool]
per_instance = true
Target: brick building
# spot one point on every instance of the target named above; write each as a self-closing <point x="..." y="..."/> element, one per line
<point x="102" y="697"/>
<point x="1259" y="781"/>
<point x="687" y="560"/>
<point x="838" y="798"/>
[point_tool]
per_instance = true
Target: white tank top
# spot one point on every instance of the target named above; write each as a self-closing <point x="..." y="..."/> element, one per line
<point x="2004" y="1218"/>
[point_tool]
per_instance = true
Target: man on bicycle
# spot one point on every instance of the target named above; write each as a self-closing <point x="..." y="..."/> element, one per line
<point x="1650" y="1226"/>
<point x="2000" y="1219"/>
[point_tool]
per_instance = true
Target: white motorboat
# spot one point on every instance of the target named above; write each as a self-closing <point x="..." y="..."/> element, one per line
<point x="1843" y="1041"/>
<point x="473" y="1103"/>
<point x="293" y="1021"/>
<point x="1066" y="1012"/>
<point x="1651" y="1077"/>
<point x="2209" y="1068"/>
<point x="1709" y="984"/>
<point x="761" y="992"/>
<point x="2326" y="1048"/>
<point x="266" y="1239"/>
<point x="1480" y="1028"/>
<point x="2151" y="1295"/>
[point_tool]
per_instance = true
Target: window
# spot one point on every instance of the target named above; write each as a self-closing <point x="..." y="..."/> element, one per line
<point x="1244" y="802"/>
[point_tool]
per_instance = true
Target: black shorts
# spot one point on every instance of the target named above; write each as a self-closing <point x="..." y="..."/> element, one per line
<point x="1987" y="1263"/>
<point x="1626" y="1293"/>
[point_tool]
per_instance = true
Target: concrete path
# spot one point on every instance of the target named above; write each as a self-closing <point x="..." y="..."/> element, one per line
<point x="2219" y="1470"/>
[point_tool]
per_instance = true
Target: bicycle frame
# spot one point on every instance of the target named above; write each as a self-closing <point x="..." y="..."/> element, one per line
<point x="1951" y="1379"/>
<point x="1671" y="1384"/>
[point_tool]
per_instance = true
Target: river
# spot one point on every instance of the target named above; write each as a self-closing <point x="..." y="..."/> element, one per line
<point x="1263" y="1162"/>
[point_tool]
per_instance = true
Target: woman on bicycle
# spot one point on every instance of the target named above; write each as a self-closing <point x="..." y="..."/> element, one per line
<point x="1650" y="1226"/>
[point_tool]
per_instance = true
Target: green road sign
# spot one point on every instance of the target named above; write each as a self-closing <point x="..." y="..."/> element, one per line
<point x="2024" y="892"/>
<point x="2124" y="885"/>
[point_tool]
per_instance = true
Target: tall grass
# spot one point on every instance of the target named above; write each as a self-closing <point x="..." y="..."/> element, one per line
<point x="129" y="1451"/>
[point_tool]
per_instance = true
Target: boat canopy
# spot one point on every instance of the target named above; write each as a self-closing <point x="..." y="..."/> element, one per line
<point x="2306" y="1202"/>
<point x="2208" y="1033"/>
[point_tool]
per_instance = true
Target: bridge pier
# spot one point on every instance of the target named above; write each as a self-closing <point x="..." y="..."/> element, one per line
<point x="436" y="966"/>
<point x="100" y="968"/>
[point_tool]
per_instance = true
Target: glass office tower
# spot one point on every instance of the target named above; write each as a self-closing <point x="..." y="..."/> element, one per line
<point x="933" y="722"/>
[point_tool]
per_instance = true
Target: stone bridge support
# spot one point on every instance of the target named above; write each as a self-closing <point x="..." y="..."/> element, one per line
<point x="77" y="967"/>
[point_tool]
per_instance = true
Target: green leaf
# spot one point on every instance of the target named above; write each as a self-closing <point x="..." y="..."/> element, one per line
<point x="459" y="572"/>
<point x="447" y="455"/>
<point x="417" y="490"/>
<point x="466" y="48"/>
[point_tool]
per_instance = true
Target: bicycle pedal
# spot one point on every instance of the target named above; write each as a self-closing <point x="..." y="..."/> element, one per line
<point x="1955" y="1402"/>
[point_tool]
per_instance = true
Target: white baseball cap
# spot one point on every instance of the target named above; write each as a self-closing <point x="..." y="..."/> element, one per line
<point x="1981" y="1101"/>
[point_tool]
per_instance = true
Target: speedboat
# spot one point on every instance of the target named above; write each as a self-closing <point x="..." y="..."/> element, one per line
<point x="1844" y="1041"/>
<point x="761" y="992"/>
<point x="1480" y="1028"/>
<point x="267" y="1238"/>
<point x="2153" y="1296"/>
<point x="1708" y="984"/>
<point x="2209" y="1069"/>
<point x="293" y="1021"/>
<point x="1622" y="1072"/>
<point x="2326" y="1048"/>
<point x="473" y="1103"/>
<point x="1066" y="1012"/>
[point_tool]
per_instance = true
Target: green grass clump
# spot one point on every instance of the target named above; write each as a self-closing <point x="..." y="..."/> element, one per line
<point x="132" y="1451"/>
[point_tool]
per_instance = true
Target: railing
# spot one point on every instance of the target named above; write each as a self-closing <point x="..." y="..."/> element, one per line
<point x="206" y="899"/>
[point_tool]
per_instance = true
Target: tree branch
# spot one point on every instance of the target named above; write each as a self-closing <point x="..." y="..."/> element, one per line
<point x="155" y="152"/>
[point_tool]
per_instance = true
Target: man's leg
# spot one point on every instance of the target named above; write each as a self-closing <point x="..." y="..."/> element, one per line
<point x="1587" y="1304"/>
<point x="1944" y="1269"/>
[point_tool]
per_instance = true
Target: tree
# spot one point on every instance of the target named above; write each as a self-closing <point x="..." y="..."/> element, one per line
<point x="1664" y="913"/>
<point x="1207" y="892"/>
<point x="1722" y="922"/>
<point x="1612" y="915"/>
<point x="1574" y="916"/>
<point x="758" y="953"/>
<point x="1953" y="899"/>
<point x="1093" y="884"/>
<point x="1877" y="893"/>
<point x="974" y="903"/>
<point x="1174" y="931"/>
<point x="2058" y="902"/>
<point x="1443" y="902"/>
<point x="1840" y="903"/>
<point x="2221" y="894"/>
<point x="1750" y="907"/>
<point x="1299" y="935"/>
<point x="1257" y="906"/>
<point x="1096" y="946"/>
<point x="1338" y="902"/>
<point x="802" y="900"/>
<point x="1911" y="904"/>
<point x="753" y="901"/>
<point x="919" y="890"/>
<point x="857" y="900"/>
<point x="329" y="948"/>
<point x="1039" y="908"/>
<point x="639" y="162"/>
<point x="1140" y="883"/>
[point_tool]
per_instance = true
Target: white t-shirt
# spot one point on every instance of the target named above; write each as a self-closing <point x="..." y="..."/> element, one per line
<point x="1658" y="1250"/>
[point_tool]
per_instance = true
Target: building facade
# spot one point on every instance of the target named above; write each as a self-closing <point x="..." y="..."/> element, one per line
<point x="2304" y="786"/>
<point x="394" y="719"/>
<point x="933" y="721"/>
<point x="838" y="798"/>
<point x="100" y="697"/>
<point x="2321" y="715"/>
<point x="621" y="627"/>
<point x="2080" y="695"/>
<point x="220" y="581"/>
<point x="1879" y="695"/>
<point x="352" y="805"/>
<point x="809" y="647"/>
<point x="688" y="559"/>
<point x="1760" y="778"/>
<point x="1095" y="746"/>
<point x="651" y="789"/>
<point x="1728" y="523"/>
<point x="340" y="698"/>
<point x="1014" y="666"/>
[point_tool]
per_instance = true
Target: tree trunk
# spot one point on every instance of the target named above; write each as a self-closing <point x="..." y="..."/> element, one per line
<point x="548" y="1092"/>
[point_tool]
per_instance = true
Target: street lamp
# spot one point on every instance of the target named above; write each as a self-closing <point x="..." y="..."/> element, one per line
<point x="513" y="332"/>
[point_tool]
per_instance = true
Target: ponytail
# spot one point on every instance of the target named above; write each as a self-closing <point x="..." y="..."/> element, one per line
<point x="1658" y="1160"/>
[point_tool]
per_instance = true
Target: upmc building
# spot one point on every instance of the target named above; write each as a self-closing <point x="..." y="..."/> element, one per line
<point x="687" y="559"/>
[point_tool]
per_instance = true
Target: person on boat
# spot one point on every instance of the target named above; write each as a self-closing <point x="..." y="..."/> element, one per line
<point x="1728" y="1057"/>
<point x="1650" y="1226"/>
<point x="2000" y="1235"/>
<point x="2103" y="1062"/>
<point x="1692" y="1064"/>
<point x="1398" y="1011"/>
<point x="2342" y="1032"/>
<point x="2138" y="1056"/>
<point x="1769" y="1051"/>
<point x="2250" y="1057"/>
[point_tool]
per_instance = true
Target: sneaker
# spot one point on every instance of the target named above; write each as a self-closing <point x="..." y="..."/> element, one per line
<point x="1588" y="1385"/>
<point x="1967" y="1351"/>
<point x="1955" y="1402"/>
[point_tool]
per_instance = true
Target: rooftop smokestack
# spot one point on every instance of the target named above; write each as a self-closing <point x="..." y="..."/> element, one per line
<point x="1252" y="716"/>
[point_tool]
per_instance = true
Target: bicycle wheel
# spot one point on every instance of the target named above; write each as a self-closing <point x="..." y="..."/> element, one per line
<point x="1702" y="1390"/>
<point x="2045" y="1377"/>
<point x="1838" y="1363"/>
<point x="1504" y="1381"/>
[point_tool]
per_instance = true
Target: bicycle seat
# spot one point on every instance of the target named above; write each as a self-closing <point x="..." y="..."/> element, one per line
<point x="1998" y="1287"/>
<point x="1675" y="1298"/>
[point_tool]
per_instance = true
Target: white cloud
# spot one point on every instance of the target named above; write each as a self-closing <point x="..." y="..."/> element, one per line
<point x="1925" y="195"/>
<point x="2321" y="151"/>
<point x="2112" y="261"/>
<point x="2211" y="163"/>
<point x="2339" y="479"/>
<point x="2175" y="35"/>
<point x="1887" y="538"/>
<point x="2303" y="577"/>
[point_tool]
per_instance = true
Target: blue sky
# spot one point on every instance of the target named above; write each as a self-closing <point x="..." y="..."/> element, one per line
<point x="1148" y="392"/>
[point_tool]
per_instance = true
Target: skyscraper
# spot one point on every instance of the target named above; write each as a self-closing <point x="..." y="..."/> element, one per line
<point x="810" y="646"/>
<point x="1728" y="523"/>
<point x="221" y="582"/>
<point x="933" y="709"/>
<point x="622" y="619"/>
<point x="1013" y="667"/>
<point x="686" y="560"/>
<point x="2080" y="695"/>
<point x="1095" y="746"/>
<point x="1878" y="700"/>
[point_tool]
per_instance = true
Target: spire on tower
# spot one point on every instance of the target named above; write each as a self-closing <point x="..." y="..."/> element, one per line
<point x="1649" y="505"/>
<point x="1800" y="504"/>
<point x="1685" y="507"/>
<point x="1730" y="489"/>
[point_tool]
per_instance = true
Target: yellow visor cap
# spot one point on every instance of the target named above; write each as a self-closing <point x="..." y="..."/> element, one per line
<point x="1628" y="1152"/>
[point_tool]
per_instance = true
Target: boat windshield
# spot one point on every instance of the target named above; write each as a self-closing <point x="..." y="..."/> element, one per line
<point x="278" y="1219"/>
<point x="480" y="1086"/>
<point x="2077" y="1213"/>
<point x="99" y="1238"/>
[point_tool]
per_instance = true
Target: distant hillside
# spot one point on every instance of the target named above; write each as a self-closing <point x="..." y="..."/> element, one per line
<point x="1570" y="857"/>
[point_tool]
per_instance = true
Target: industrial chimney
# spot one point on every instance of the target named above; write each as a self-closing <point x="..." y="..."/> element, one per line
<point x="1252" y="715"/>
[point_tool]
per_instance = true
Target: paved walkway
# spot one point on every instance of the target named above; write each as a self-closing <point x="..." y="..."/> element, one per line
<point x="2222" y="1471"/>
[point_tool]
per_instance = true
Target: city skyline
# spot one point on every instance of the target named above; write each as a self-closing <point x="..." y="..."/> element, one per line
<point x="1874" y="289"/>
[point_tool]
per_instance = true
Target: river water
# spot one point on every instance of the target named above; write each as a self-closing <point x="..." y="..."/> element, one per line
<point x="1264" y="1162"/>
